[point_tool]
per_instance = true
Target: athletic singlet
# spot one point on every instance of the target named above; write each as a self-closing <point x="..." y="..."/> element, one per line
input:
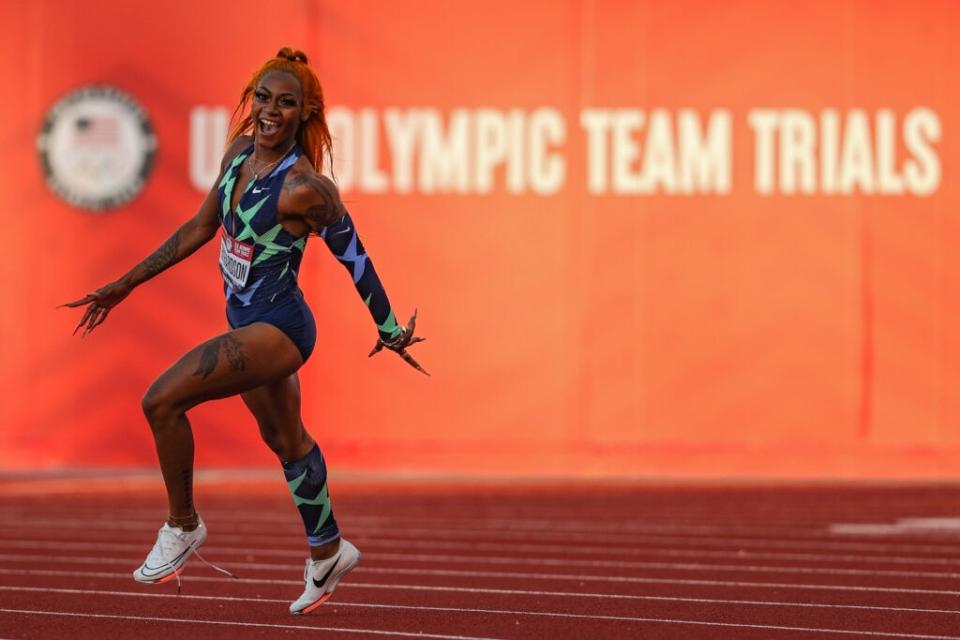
<point x="259" y="259"/>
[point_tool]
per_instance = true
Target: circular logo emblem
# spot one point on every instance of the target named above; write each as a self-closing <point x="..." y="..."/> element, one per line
<point x="97" y="148"/>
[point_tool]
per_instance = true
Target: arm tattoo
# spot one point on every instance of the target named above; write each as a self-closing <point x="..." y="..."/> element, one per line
<point x="325" y="212"/>
<point x="319" y="216"/>
<point x="163" y="257"/>
<point x="292" y="182"/>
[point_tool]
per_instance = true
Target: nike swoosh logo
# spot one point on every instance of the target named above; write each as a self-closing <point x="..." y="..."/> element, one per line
<point x="259" y="189"/>
<point x="157" y="569"/>
<point x="322" y="581"/>
<point x="347" y="230"/>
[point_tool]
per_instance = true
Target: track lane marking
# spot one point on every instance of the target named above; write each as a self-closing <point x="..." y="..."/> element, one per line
<point x="341" y="603"/>
<point x="381" y="632"/>
<point x="668" y="566"/>
<point x="820" y="530"/>
<point x="631" y="564"/>
<point x="574" y="517"/>
<point x="568" y="521"/>
<point x="415" y="536"/>
<point x="298" y="553"/>
<point x="883" y="634"/>
<point x="712" y="583"/>
<point x="255" y="532"/>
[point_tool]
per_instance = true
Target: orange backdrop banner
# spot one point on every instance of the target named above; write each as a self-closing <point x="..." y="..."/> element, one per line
<point x="644" y="238"/>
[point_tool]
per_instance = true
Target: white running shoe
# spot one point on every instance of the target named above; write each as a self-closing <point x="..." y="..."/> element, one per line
<point x="174" y="545"/>
<point x="321" y="577"/>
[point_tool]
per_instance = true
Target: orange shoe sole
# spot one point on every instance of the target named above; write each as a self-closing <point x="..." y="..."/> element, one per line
<point x="168" y="578"/>
<point x="316" y="604"/>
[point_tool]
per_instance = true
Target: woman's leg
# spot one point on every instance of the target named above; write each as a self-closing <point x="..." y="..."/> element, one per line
<point x="229" y="364"/>
<point x="276" y="407"/>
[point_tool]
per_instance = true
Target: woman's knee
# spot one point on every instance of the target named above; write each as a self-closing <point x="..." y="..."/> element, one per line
<point x="159" y="406"/>
<point x="282" y="442"/>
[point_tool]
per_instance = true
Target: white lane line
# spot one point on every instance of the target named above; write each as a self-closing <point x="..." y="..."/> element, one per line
<point x="341" y="603"/>
<point x="809" y="529"/>
<point x="670" y="566"/>
<point x="523" y="576"/>
<point x="571" y="520"/>
<point x="294" y="532"/>
<point x="788" y="542"/>
<point x="454" y="560"/>
<point x="702" y="623"/>
<point x="356" y="510"/>
<point x="817" y="528"/>
<point x="475" y="526"/>
<point x="406" y="536"/>
<point x="563" y="550"/>
<point x="637" y="580"/>
<point x="521" y="518"/>
<point x="900" y="527"/>
<point x="587" y="594"/>
<point x="276" y="532"/>
<point x="516" y="548"/>
<point x="231" y="623"/>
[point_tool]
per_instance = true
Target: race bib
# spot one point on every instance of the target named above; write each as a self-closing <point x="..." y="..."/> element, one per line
<point x="235" y="259"/>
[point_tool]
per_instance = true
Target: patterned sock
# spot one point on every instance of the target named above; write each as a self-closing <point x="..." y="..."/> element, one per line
<point x="307" y="479"/>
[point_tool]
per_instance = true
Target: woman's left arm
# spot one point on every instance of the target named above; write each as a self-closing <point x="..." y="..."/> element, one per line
<point x="318" y="201"/>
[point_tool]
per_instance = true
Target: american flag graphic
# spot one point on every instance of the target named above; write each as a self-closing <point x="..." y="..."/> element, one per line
<point x="96" y="130"/>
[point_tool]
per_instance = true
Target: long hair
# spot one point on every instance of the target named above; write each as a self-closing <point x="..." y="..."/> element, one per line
<point x="313" y="135"/>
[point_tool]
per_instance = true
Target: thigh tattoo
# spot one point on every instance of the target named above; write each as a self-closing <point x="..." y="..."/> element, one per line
<point x="232" y="349"/>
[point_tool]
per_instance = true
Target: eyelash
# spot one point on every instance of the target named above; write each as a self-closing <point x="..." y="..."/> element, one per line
<point x="262" y="97"/>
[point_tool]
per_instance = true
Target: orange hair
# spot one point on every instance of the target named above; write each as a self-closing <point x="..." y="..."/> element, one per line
<point x="312" y="135"/>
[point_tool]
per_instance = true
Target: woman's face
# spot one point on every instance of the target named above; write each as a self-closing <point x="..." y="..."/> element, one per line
<point x="277" y="107"/>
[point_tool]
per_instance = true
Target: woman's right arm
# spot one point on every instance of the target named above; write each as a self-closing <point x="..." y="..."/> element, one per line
<point x="191" y="235"/>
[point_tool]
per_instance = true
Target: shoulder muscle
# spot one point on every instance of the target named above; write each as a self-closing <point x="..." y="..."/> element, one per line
<point x="315" y="197"/>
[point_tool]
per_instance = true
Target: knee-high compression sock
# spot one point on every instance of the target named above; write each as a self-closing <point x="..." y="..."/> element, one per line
<point x="307" y="479"/>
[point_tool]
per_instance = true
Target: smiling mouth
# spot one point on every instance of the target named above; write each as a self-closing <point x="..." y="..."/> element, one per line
<point x="268" y="127"/>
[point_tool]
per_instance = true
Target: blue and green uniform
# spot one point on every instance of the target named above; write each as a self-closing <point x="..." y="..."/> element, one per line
<point x="271" y="294"/>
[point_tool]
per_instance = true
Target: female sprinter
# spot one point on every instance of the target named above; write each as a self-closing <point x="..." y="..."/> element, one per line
<point x="268" y="198"/>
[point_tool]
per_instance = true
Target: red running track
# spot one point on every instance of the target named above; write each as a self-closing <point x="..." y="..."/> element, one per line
<point x="534" y="561"/>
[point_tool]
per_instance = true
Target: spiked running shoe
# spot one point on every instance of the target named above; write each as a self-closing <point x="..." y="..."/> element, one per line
<point x="321" y="577"/>
<point x="170" y="552"/>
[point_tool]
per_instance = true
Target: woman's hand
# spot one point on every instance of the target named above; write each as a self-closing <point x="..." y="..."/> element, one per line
<point x="100" y="302"/>
<point x="400" y="343"/>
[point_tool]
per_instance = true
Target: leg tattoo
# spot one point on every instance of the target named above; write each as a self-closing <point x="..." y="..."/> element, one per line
<point x="208" y="359"/>
<point x="186" y="477"/>
<point x="232" y="349"/>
